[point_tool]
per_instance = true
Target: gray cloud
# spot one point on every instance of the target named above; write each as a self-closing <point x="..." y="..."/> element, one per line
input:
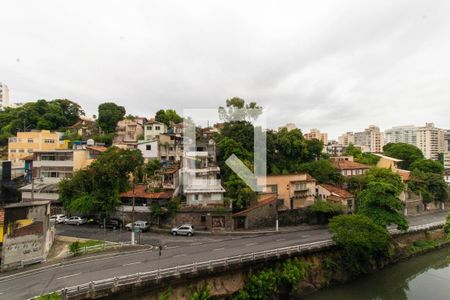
<point x="333" y="65"/>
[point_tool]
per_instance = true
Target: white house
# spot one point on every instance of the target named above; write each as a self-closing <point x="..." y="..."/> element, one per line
<point x="149" y="149"/>
<point x="153" y="129"/>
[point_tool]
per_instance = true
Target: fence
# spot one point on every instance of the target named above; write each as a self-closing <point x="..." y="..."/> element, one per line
<point x="114" y="284"/>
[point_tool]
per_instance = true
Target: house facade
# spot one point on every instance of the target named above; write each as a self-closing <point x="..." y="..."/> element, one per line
<point x="336" y="194"/>
<point x="128" y="132"/>
<point x="296" y="190"/>
<point x="26" y="143"/>
<point x="348" y="167"/>
<point x="153" y="129"/>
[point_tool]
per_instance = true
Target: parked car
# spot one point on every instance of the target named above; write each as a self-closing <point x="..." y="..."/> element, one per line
<point x="111" y="223"/>
<point x="58" y="219"/>
<point x="142" y="225"/>
<point x="75" y="221"/>
<point x="185" y="229"/>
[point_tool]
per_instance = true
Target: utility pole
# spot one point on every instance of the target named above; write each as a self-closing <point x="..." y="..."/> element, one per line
<point x="32" y="183"/>
<point x="132" y="213"/>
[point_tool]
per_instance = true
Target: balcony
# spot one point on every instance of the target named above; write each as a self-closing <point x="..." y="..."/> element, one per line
<point x="53" y="163"/>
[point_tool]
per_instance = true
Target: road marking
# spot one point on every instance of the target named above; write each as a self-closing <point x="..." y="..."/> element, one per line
<point x="180" y="255"/>
<point x="196" y="244"/>
<point x="63" y="277"/>
<point x="133" y="263"/>
<point x="218" y="249"/>
<point x="280" y="240"/>
<point x="250" y="244"/>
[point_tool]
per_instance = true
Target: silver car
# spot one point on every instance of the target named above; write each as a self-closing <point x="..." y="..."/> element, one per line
<point x="184" y="229"/>
<point x="140" y="225"/>
<point x="75" y="221"/>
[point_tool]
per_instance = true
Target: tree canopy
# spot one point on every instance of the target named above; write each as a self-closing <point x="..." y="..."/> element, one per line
<point x="97" y="188"/>
<point x="360" y="157"/>
<point x="56" y="114"/>
<point x="406" y="152"/>
<point x="109" y="114"/>
<point x="428" y="166"/>
<point x="168" y="117"/>
<point x="361" y="240"/>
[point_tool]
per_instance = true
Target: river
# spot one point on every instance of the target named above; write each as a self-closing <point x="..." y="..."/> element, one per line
<point x="423" y="277"/>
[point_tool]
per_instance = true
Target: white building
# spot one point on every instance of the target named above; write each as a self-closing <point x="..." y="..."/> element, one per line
<point x="4" y="96"/>
<point x="401" y="134"/>
<point x="153" y="129"/>
<point x="149" y="149"/>
<point x="201" y="182"/>
<point x="431" y="140"/>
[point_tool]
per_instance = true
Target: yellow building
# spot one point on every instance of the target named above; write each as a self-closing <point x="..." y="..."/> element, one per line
<point x="25" y="143"/>
<point x="296" y="190"/>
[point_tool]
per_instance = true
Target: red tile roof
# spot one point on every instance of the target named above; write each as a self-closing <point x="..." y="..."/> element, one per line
<point x="349" y="165"/>
<point x="404" y="173"/>
<point x="261" y="203"/>
<point x="140" y="191"/>
<point x="340" y="192"/>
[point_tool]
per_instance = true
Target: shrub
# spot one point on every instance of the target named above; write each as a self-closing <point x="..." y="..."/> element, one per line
<point x="75" y="248"/>
<point x="361" y="240"/>
<point x="203" y="294"/>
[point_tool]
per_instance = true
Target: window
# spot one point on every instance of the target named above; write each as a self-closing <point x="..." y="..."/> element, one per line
<point x="49" y="141"/>
<point x="13" y="150"/>
<point x="196" y="197"/>
<point x="148" y="147"/>
<point x="30" y="140"/>
<point x="157" y="127"/>
<point x="149" y="127"/>
<point x="203" y="219"/>
<point x="273" y="188"/>
<point x="21" y="150"/>
<point x="30" y="150"/>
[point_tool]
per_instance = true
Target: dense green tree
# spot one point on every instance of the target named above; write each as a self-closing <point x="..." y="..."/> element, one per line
<point x="406" y="152"/>
<point x="105" y="138"/>
<point x="431" y="186"/>
<point x="361" y="241"/>
<point x="168" y="117"/>
<point x="428" y="166"/>
<point x="52" y="115"/>
<point x="358" y="183"/>
<point x="109" y="114"/>
<point x="380" y="202"/>
<point x="97" y="188"/>
<point x="237" y="110"/>
<point x="360" y="157"/>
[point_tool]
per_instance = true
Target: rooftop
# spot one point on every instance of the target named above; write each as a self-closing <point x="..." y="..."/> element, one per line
<point x="261" y="203"/>
<point x="140" y="191"/>
<point x="340" y="192"/>
<point x="349" y="165"/>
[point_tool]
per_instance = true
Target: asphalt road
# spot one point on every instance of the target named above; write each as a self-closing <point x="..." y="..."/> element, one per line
<point x="25" y="285"/>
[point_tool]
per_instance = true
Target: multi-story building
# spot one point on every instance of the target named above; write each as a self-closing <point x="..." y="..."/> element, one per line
<point x="346" y="139"/>
<point x="370" y="140"/>
<point x="431" y="141"/>
<point x="129" y="131"/>
<point x="296" y="190"/>
<point x="201" y="177"/>
<point x="316" y="134"/>
<point x="85" y="127"/>
<point x="25" y="143"/>
<point x="401" y="134"/>
<point x="49" y="167"/>
<point x="153" y="129"/>
<point x="4" y="96"/>
<point x="167" y="148"/>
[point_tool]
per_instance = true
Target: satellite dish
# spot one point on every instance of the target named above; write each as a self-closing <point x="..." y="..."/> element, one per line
<point x="90" y="142"/>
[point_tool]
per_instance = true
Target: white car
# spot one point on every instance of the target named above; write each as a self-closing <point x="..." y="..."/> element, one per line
<point x="58" y="219"/>
<point x="142" y="225"/>
<point x="75" y="221"/>
<point x="185" y="229"/>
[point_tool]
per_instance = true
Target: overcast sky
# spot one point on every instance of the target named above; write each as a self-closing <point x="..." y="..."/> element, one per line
<point x="335" y="65"/>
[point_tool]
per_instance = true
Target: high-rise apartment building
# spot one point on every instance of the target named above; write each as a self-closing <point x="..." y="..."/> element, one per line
<point x="370" y="140"/>
<point x="401" y="134"/>
<point x="4" y="96"/>
<point x="346" y="139"/>
<point x="316" y="134"/>
<point x="431" y="141"/>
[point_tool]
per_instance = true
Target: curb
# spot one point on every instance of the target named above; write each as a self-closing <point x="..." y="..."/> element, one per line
<point x="72" y="262"/>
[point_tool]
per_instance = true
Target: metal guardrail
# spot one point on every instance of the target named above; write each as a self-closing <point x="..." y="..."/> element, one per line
<point x="113" y="284"/>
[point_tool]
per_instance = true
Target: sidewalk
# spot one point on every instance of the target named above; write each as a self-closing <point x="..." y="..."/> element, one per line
<point x="283" y="229"/>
